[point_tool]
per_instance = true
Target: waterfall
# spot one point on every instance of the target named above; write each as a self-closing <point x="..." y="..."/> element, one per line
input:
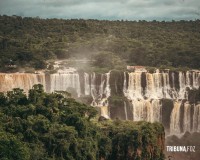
<point x="24" y="81"/>
<point x="138" y="110"/>
<point x="65" y="82"/>
<point x="146" y="103"/>
<point x="187" y="117"/>
<point x="105" y="112"/>
<point x="148" y="106"/>
<point x="196" y="119"/>
<point x="146" y="110"/>
<point x="175" y="127"/>
<point x="87" y="84"/>
<point x="158" y="85"/>
<point x="182" y="83"/>
<point x="156" y="111"/>
<point x="144" y="91"/>
<point x="166" y="86"/>
<point x="134" y="90"/>
<point x="100" y="93"/>
<point x="190" y="121"/>
<point x="93" y="89"/>
<point x="124" y="84"/>
<point x="187" y="125"/>
<point x="196" y="79"/>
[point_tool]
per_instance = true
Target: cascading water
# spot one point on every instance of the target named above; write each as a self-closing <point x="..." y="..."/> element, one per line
<point x="175" y="119"/>
<point x="143" y="107"/>
<point x="100" y="93"/>
<point x="105" y="112"/>
<point x="24" y="81"/>
<point x="87" y="84"/>
<point x="65" y="82"/>
<point x="146" y="110"/>
<point x="134" y="90"/>
<point x="144" y="92"/>
<point x="187" y="117"/>
<point x="190" y="120"/>
<point x="147" y="101"/>
<point x="196" y="119"/>
<point x="71" y="82"/>
<point x="196" y="79"/>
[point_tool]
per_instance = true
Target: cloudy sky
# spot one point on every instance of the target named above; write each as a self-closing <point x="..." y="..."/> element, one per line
<point x="104" y="9"/>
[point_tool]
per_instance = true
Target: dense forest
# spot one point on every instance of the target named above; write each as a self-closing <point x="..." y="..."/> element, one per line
<point x="54" y="126"/>
<point x="30" y="42"/>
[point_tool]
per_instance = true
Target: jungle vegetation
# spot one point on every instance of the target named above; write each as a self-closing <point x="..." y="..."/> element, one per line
<point x="53" y="126"/>
<point x="30" y="42"/>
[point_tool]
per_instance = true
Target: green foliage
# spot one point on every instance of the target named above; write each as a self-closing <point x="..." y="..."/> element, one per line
<point x="29" y="42"/>
<point x="108" y="60"/>
<point x="54" y="126"/>
<point x="128" y="138"/>
<point x="11" y="148"/>
<point x="151" y="69"/>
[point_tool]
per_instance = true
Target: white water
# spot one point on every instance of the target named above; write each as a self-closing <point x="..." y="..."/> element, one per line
<point x="158" y="85"/>
<point x="87" y="84"/>
<point x="196" y="119"/>
<point x="188" y="118"/>
<point x="24" y="81"/>
<point x="175" y="119"/>
<point x="65" y="82"/>
<point x="71" y="82"/>
<point x="105" y="112"/>
<point x="134" y="90"/>
<point x="146" y="110"/>
<point x="147" y="103"/>
<point x="101" y="93"/>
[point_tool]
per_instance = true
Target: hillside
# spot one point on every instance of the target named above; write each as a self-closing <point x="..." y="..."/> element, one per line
<point x="30" y="42"/>
<point x="54" y="126"/>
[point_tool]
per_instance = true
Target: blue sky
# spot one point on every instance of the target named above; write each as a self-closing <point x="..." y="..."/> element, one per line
<point x="104" y="9"/>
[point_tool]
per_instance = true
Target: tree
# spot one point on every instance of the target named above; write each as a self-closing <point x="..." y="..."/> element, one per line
<point x="17" y="96"/>
<point x="11" y="148"/>
<point x="36" y="94"/>
<point x="108" y="60"/>
<point x="51" y="126"/>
